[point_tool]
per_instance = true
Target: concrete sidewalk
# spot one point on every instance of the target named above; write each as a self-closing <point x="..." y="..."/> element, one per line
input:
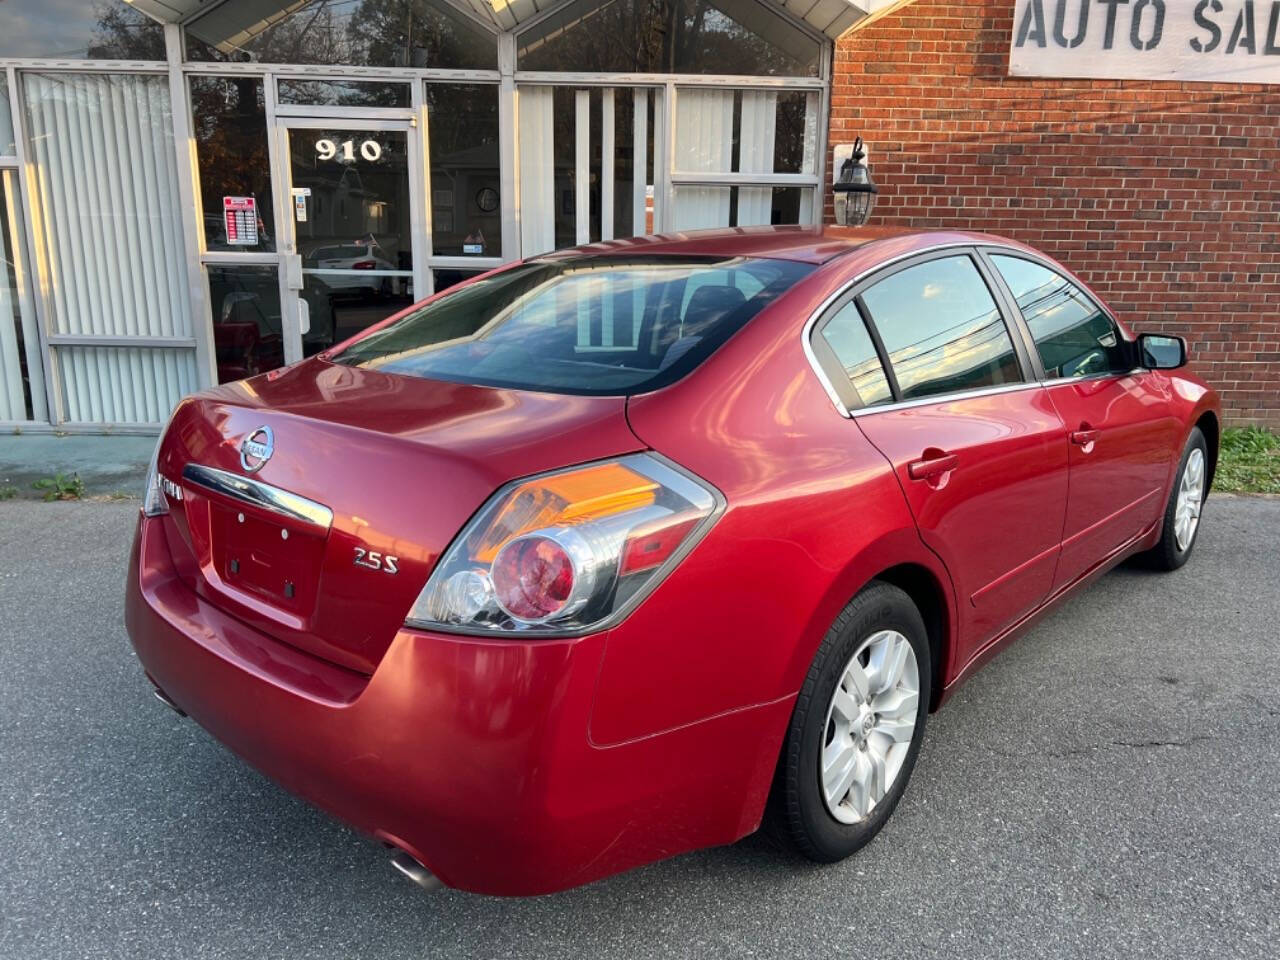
<point x="108" y="465"/>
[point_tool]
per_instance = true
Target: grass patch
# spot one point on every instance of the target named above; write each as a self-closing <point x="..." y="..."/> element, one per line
<point x="8" y="493"/>
<point x="1248" y="461"/>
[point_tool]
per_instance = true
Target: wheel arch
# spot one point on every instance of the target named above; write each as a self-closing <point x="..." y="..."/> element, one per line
<point x="928" y="594"/>
<point x="1209" y="426"/>
<point x="901" y="559"/>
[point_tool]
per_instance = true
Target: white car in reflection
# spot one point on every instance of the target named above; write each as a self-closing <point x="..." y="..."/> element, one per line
<point x="363" y="256"/>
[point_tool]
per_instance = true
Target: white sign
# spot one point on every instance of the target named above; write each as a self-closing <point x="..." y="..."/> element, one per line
<point x="1222" y="41"/>
<point x="240" y="221"/>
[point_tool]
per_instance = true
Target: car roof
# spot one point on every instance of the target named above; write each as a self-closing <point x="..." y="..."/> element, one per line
<point x="815" y="245"/>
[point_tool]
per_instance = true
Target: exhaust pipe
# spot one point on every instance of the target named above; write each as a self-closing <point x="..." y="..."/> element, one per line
<point x="415" y="871"/>
<point x="164" y="698"/>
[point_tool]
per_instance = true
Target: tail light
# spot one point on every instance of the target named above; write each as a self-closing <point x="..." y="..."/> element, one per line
<point x="568" y="552"/>
<point x="154" y="503"/>
<point x="363" y="265"/>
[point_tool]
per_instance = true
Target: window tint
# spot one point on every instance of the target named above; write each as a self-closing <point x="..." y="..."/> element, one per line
<point x="1073" y="336"/>
<point x="849" y="340"/>
<point x="593" y="325"/>
<point x="941" y="329"/>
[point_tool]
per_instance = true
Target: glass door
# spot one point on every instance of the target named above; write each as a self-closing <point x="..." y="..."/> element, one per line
<point x="354" y="200"/>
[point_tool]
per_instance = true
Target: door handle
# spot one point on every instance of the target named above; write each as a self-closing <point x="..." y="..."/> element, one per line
<point x="931" y="466"/>
<point x="1084" y="439"/>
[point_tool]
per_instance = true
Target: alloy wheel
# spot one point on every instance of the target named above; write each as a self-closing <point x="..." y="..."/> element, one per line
<point x="870" y="723"/>
<point x="1186" y="514"/>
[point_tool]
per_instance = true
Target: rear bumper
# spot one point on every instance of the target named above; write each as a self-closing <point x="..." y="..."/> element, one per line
<point x="474" y="756"/>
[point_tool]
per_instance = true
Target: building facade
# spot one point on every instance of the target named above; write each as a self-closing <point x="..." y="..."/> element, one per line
<point x="1162" y="194"/>
<point x="193" y="191"/>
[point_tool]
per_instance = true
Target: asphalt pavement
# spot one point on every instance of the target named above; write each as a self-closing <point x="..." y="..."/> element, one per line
<point x="1107" y="787"/>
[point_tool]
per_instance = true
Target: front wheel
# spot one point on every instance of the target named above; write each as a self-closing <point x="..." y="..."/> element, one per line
<point x="857" y="727"/>
<point x="1182" y="514"/>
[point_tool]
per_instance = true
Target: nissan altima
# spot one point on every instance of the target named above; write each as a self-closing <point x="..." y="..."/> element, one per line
<point x="624" y="551"/>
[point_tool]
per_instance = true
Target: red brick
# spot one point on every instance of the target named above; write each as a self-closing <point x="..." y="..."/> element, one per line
<point x="1161" y="195"/>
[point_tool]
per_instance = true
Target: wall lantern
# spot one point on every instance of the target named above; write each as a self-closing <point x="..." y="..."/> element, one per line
<point x="855" y="191"/>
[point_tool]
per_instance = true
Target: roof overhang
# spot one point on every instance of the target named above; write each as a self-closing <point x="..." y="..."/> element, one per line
<point x="245" y="18"/>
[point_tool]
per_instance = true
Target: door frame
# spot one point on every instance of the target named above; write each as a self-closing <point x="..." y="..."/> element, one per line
<point x="411" y="122"/>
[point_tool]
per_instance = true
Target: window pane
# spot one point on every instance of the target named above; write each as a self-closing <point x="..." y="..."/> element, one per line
<point x="354" y="213"/>
<point x="369" y="33"/>
<point x="941" y="329"/>
<point x="94" y="382"/>
<point x="466" y="205"/>
<point x="342" y="303"/>
<point x="1073" y="336"/>
<point x="682" y="36"/>
<point x="745" y="131"/>
<point x="247" y="334"/>
<point x="588" y="325"/>
<point x="113" y="240"/>
<point x="21" y="370"/>
<point x="7" y="148"/>
<point x="699" y="208"/>
<point x="343" y="93"/>
<point x="230" y="125"/>
<point x="551" y="121"/>
<point x="104" y="30"/>
<point x="849" y="340"/>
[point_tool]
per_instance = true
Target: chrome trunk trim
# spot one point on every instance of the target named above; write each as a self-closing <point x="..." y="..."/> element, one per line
<point x="255" y="493"/>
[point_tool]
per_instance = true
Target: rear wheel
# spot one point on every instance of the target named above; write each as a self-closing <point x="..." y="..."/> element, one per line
<point x="1181" y="522"/>
<point x="856" y="729"/>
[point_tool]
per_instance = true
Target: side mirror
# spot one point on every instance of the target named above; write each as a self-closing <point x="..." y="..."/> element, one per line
<point x="1158" y="351"/>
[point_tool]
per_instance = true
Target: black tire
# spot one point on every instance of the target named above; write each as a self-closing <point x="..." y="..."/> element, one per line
<point x="798" y="814"/>
<point x="1167" y="555"/>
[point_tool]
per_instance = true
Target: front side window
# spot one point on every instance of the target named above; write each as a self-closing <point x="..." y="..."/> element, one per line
<point x="847" y="336"/>
<point x="1073" y="335"/>
<point x="941" y="329"/>
<point x="598" y="325"/>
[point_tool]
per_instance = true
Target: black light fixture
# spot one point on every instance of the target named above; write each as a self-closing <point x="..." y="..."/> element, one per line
<point x="855" y="192"/>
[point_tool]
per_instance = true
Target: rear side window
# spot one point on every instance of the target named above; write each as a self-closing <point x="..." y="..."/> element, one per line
<point x="941" y="329"/>
<point x="586" y="325"/>
<point x="1073" y="335"/>
<point x="847" y="336"/>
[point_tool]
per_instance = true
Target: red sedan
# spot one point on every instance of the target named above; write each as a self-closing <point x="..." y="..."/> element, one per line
<point x="617" y="552"/>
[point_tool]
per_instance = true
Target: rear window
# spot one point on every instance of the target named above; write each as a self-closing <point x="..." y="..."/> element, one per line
<point x="590" y="325"/>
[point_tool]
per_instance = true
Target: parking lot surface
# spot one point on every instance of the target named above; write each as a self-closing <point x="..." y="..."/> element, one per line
<point x="1107" y="787"/>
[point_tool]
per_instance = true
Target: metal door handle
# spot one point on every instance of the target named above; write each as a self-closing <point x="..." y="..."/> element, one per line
<point x="932" y="466"/>
<point x="1084" y="438"/>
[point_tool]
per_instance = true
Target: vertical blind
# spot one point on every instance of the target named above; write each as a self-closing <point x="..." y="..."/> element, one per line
<point x="537" y="171"/>
<point x="704" y="144"/>
<point x="755" y="155"/>
<point x="19" y="337"/>
<point x="110" y="230"/>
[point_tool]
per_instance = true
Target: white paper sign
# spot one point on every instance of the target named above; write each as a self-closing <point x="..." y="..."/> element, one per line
<point x="1224" y="41"/>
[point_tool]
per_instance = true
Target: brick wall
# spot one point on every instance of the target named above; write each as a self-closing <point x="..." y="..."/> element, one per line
<point x="1165" y="197"/>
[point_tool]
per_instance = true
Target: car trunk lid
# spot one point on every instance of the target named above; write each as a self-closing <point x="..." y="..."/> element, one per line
<point x="323" y="529"/>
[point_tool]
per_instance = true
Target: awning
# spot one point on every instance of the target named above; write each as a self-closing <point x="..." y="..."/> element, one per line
<point x="235" y="21"/>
